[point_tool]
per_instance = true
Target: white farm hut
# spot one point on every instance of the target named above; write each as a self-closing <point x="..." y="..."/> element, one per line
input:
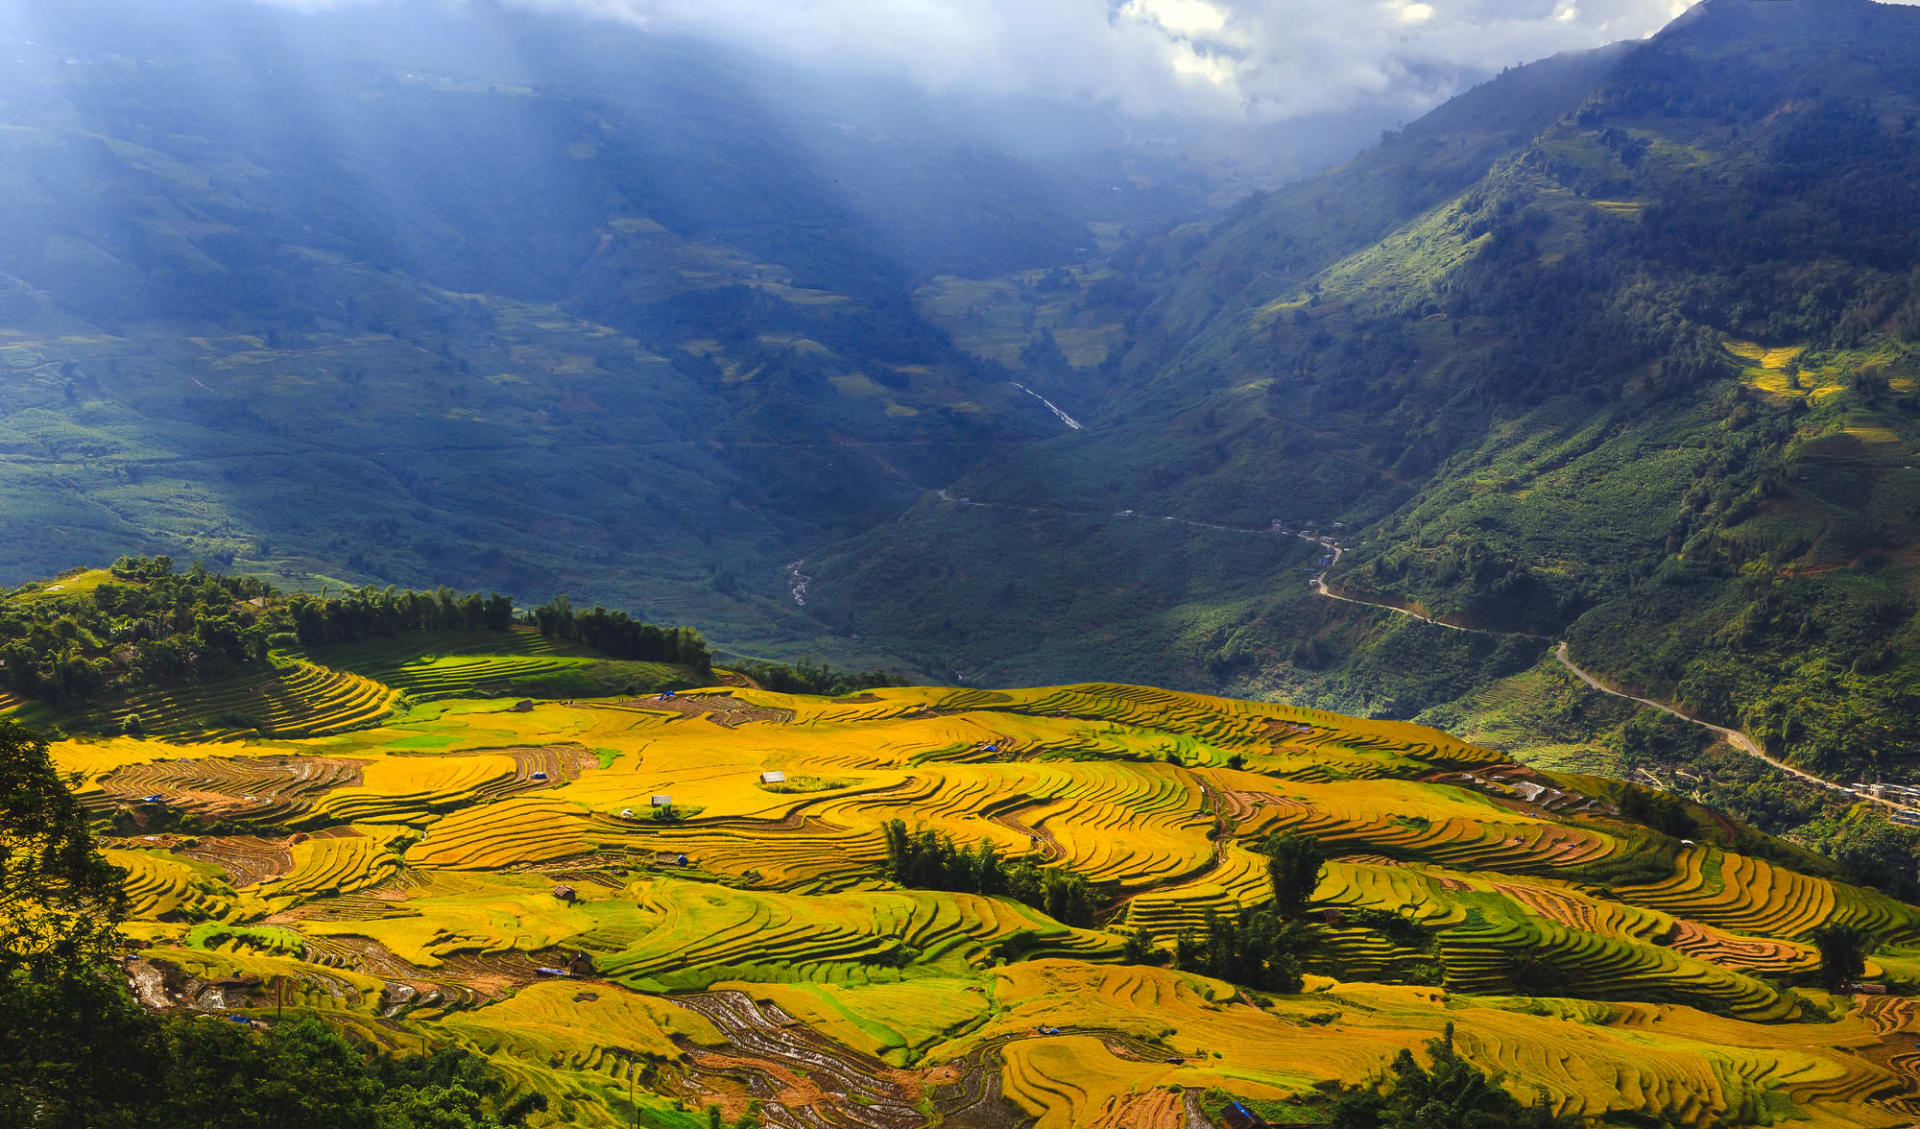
<point x="663" y="801"/>
<point x="773" y="778"/>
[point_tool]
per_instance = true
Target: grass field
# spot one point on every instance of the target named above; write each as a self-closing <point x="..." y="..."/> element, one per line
<point x="426" y="666"/>
<point x="602" y="894"/>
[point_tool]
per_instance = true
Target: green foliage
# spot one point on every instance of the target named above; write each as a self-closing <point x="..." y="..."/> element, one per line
<point x="1295" y="863"/>
<point x="1255" y="947"/>
<point x="369" y="613"/>
<point x="1658" y="810"/>
<point x="1451" y="1092"/>
<point x="620" y="636"/>
<point x="152" y="626"/>
<point x="63" y="1018"/>
<point x="806" y="677"/>
<point x="1139" y="948"/>
<point x="59" y="900"/>
<point x="931" y="862"/>
<point x="1843" y="955"/>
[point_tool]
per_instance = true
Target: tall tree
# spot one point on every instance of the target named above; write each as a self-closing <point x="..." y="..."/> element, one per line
<point x="1843" y="955"/>
<point x="1294" y="865"/>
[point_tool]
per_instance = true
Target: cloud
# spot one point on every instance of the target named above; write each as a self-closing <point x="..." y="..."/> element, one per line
<point x="1269" y="59"/>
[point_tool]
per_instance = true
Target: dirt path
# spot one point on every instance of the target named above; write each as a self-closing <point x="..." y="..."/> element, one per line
<point x="1732" y="737"/>
<point x="1321" y="588"/>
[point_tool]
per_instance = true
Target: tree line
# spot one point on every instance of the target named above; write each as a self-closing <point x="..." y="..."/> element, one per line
<point x="619" y="635"/>
<point x="152" y="626"/>
<point x="807" y="677"/>
<point x="371" y="613"/>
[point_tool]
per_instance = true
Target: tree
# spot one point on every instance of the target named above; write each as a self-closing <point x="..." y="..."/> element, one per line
<point x="1843" y="955"/>
<point x="1139" y="948"/>
<point x="69" y="1037"/>
<point x="1451" y="1093"/>
<point x="1294" y="865"/>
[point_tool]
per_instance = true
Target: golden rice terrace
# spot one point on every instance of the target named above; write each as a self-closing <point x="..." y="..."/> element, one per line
<point x="686" y="899"/>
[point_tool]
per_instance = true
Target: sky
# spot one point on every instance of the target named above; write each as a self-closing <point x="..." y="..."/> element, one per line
<point x="1270" y="59"/>
<point x="1264" y="59"/>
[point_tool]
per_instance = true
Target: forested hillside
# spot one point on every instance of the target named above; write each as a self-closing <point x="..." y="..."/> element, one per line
<point x="1645" y="377"/>
<point x="420" y="296"/>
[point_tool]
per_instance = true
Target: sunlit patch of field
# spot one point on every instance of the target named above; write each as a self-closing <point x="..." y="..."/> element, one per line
<point x="428" y="666"/>
<point x="1874" y="435"/>
<point x="546" y="885"/>
<point x="79" y="583"/>
<point x="300" y="700"/>
<point x="1771" y="358"/>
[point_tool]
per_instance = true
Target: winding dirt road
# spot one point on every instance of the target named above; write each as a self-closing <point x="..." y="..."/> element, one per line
<point x="1733" y="737"/>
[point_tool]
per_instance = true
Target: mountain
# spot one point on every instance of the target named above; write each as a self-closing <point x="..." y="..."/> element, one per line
<point x="410" y="295"/>
<point x="1617" y="348"/>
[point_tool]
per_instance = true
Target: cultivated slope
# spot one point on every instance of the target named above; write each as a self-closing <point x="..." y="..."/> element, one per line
<point x="747" y="944"/>
<point x="1645" y="376"/>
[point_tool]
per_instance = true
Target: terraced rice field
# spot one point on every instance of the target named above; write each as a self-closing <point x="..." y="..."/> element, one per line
<point x="603" y="895"/>
<point x="432" y="666"/>
<point x="303" y="700"/>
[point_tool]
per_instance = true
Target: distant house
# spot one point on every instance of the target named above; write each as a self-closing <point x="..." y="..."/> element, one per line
<point x="775" y="777"/>
<point x="663" y="801"/>
<point x="566" y="894"/>
<point x="525" y="705"/>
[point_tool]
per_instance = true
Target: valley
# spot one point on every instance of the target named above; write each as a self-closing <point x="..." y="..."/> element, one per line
<point x="867" y="566"/>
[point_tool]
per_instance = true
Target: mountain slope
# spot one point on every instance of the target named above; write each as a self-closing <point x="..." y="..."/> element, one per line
<point x="403" y="294"/>
<point x="1558" y="399"/>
